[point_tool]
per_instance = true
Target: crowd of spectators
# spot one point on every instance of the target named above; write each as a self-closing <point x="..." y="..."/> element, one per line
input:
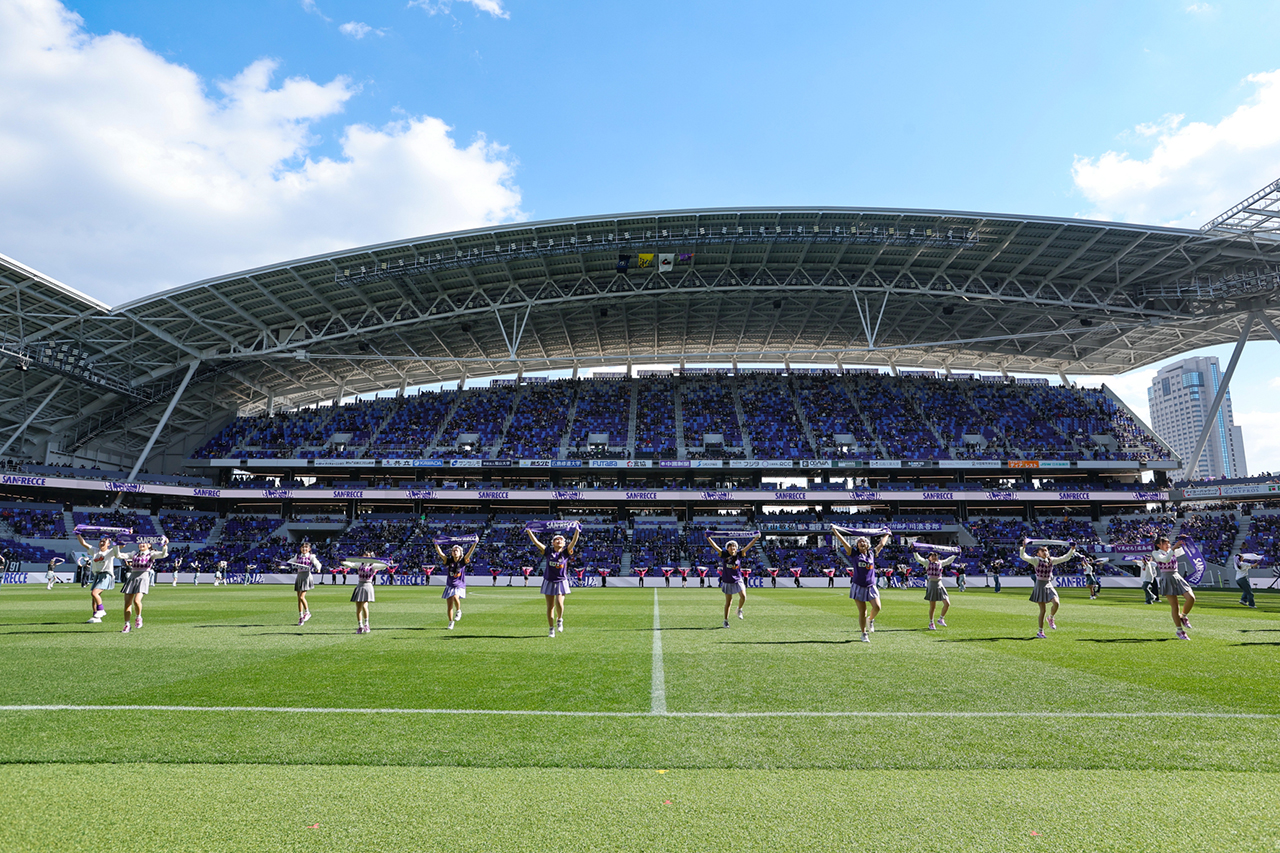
<point x="1215" y="534"/>
<point x="187" y="527"/>
<point x="604" y="408"/>
<point x="538" y="422"/>
<point x="1263" y="538"/>
<point x="33" y="522"/>
<point x="771" y="421"/>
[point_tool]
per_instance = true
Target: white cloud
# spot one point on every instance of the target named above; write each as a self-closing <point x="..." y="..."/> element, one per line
<point x="1195" y="170"/>
<point x="123" y="172"/>
<point x="433" y="7"/>
<point x="1200" y="8"/>
<point x="357" y="30"/>
<point x="310" y="7"/>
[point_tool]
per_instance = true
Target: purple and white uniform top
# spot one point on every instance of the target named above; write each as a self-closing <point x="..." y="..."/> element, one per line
<point x="456" y="571"/>
<point x="730" y="568"/>
<point x="1167" y="561"/>
<point x="933" y="568"/>
<point x="1044" y="569"/>
<point x="864" y="569"/>
<point x="557" y="565"/>
<point x="366" y="572"/>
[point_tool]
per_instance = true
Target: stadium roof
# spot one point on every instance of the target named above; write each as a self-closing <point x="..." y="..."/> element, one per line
<point x="939" y="290"/>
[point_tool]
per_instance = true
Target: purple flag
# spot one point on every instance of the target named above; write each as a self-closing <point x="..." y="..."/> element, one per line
<point x="1192" y="552"/>
<point x="553" y="527"/>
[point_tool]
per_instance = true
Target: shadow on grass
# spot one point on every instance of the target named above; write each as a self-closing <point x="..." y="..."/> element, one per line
<point x="664" y="629"/>
<point x="1242" y="630"/>
<point x="988" y="639"/>
<point x="230" y="626"/>
<point x="1234" y="644"/>
<point x="81" y="631"/>
<point x="788" y="642"/>
<point x="1126" y="640"/>
<point x="495" y="637"/>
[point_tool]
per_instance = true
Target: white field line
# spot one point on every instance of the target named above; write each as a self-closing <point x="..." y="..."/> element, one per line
<point x="1052" y="715"/>
<point x="658" y="689"/>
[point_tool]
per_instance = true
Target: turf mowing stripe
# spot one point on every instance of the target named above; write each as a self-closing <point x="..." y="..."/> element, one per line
<point x="1057" y="715"/>
<point x="658" y="691"/>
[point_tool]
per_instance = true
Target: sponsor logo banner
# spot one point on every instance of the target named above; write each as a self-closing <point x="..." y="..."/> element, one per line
<point x="1022" y="463"/>
<point x="885" y="463"/>
<point x="1202" y="492"/>
<point x="673" y="463"/>
<point x="332" y="463"/>
<point x="496" y="463"/>
<point x="817" y="463"/>
<point x="747" y="463"/>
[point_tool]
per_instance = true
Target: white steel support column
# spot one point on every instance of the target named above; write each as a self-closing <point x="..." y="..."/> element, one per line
<point x="1190" y="463"/>
<point x="31" y="417"/>
<point x="164" y="419"/>
<point x="1266" y="321"/>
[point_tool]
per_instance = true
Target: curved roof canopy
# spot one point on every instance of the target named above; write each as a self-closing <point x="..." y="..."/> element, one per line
<point x="909" y="288"/>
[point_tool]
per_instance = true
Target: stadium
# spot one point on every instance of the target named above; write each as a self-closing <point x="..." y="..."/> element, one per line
<point x="657" y="380"/>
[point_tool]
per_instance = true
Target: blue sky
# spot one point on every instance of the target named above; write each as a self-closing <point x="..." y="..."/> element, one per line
<point x="212" y="137"/>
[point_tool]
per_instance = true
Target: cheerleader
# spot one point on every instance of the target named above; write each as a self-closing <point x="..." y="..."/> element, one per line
<point x="304" y="565"/>
<point x="366" y="570"/>
<point x="495" y="571"/>
<point x="934" y="590"/>
<point x="666" y="575"/>
<point x="830" y="572"/>
<point x="604" y="577"/>
<point x="140" y="565"/>
<point x="731" y="577"/>
<point x="795" y="573"/>
<point x="702" y="576"/>
<point x="1044" y="592"/>
<point x="51" y="576"/>
<point x="102" y="566"/>
<point x="427" y="570"/>
<point x="773" y="576"/>
<point x="177" y="564"/>
<point x="642" y="573"/>
<point x="455" y="584"/>
<point x="863" y="587"/>
<point x="527" y="570"/>
<point x="1091" y="578"/>
<point x="684" y="577"/>
<point x="219" y="573"/>
<point x="1173" y="585"/>
<point x="555" y="576"/>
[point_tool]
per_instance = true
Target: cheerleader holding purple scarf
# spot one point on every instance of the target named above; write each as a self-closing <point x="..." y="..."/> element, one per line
<point x="555" y="573"/>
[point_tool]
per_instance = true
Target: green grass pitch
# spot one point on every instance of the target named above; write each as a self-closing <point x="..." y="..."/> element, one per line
<point x="783" y="732"/>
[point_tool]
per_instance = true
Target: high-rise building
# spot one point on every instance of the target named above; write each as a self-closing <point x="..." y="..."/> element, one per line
<point x="1180" y="397"/>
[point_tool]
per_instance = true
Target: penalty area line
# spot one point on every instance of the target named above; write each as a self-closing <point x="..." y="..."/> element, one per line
<point x="727" y="715"/>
